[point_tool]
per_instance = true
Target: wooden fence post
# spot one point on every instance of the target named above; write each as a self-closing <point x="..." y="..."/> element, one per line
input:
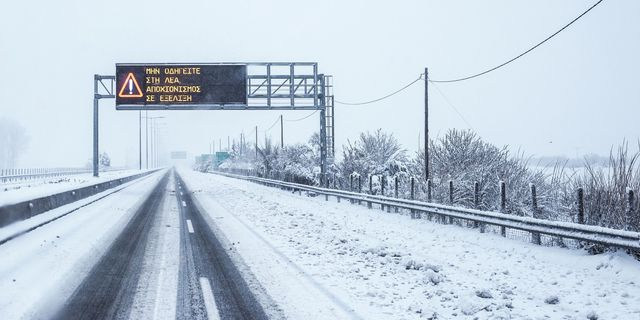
<point x="382" y="190"/>
<point x="396" y="190"/>
<point x="351" y="185"/>
<point x="503" y="205"/>
<point x="580" y="206"/>
<point x="370" y="190"/>
<point x="535" y="236"/>
<point x="450" y="201"/>
<point x="630" y="205"/>
<point x="429" y="216"/>
<point x="359" y="186"/>
<point x="476" y="201"/>
<point x="413" y="212"/>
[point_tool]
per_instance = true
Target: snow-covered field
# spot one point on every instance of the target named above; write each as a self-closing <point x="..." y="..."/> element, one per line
<point x="26" y="190"/>
<point x="329" y="260"/>
<point x="42" y="268"/>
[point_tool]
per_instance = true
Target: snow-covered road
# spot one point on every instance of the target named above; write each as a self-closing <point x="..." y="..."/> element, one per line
<point x="41" y="269"/>
<point x="144" y="252"/>
<point x="203" y="246"/>
<point x="328" y="260"/>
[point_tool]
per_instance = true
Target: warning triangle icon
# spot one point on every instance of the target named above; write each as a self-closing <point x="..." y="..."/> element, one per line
<point x="130" y="88"/>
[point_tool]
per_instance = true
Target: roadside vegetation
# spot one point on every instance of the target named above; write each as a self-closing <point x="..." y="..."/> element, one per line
<point x="463" y="159"/>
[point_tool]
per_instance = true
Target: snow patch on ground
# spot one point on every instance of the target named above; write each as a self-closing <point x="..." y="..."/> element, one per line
<point x="15" y="192"/>
<point x="387" y="266"/>
<point x="40" y="269"/>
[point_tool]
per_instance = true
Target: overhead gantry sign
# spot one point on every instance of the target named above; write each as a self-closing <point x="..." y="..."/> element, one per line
<point x="218" y="86"/>
<point x="157" y="86"/>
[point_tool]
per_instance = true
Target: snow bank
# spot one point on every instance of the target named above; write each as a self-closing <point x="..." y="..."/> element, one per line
<point x="387" y="266"/>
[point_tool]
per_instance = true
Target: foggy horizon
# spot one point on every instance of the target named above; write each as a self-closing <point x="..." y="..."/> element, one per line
<point x="573" y="96"/>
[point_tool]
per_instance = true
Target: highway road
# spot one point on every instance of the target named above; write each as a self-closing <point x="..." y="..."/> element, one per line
<point x="163" y="261"/>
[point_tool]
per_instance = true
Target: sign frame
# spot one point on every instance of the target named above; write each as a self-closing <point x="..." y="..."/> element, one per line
<point x="173" y="106"/>
<point x="269" y="86"/>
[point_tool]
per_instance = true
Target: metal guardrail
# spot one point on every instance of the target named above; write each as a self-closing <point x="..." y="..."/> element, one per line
<point x="26" y="209"/>
<point x="25" y="174"/>
<point x="593" y="234"/>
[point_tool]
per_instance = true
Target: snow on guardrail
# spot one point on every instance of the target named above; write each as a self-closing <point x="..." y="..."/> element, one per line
<point x="594" y="234"/>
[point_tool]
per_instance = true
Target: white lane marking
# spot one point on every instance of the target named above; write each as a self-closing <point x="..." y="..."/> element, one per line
<point x="182" y="194"/>
<point x="189" y="226"/>
<point x="159" y="292"/>
<point x="209" y="301"/>
<point x="184" y="204"/>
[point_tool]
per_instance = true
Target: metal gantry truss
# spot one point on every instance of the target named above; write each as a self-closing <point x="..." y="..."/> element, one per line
<point x="330" y="118"/>
<point x="270" y="86"/>
<point x="103" y="88"/>
<point x="283" y="85"/>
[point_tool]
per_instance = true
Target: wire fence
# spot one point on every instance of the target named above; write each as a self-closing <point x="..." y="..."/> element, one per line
<point x="26" y="174"/>
<point x="448" y="194"/>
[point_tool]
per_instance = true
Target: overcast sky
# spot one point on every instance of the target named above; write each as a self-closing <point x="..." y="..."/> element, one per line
<point x="579" y="93"/>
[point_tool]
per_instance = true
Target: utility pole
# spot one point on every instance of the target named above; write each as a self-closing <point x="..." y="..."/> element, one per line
<point x="140" y="140"/>
<point x="228" y="144"/>
<point x="146" y="138"/>
<point x="426" y="123"/>
<point x="152" y="144"/>
<point x="256" y="142"/>
<point x="281" y="133"/>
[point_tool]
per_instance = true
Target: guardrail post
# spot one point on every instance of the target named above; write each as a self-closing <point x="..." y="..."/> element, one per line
<point x="535" y="236"/>
<point x="370" y="190"/>
<point x="580" y="206"/>
<point x="503" y="205"/>
<point x="382" y="182"/>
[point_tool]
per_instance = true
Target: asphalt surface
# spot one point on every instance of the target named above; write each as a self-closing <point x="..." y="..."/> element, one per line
<point x="209" y="284"/>
<point x="204" y="259"/>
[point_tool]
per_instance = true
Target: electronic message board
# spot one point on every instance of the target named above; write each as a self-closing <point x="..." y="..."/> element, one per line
<point x="141" y="86"/>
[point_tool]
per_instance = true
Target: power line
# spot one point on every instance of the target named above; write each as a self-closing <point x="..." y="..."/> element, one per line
<point x="305" y="117"/>
<point x="522" y="54"/>
<point x="381" y="98"/>
<point x="271" y="127"/>
<point x="446" y="99"/>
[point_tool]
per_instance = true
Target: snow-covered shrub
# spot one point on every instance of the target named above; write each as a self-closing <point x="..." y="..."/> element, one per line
<point x="463" y="157"/>
<point x="606" y="190"/>
<point x="553" y="299"/>
<point x="376" y="154"/>
<point x="484" y="294"/>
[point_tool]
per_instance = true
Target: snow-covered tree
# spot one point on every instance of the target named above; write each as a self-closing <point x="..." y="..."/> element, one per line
<point x="13" y="142"/>
<point x="373" y="154"/>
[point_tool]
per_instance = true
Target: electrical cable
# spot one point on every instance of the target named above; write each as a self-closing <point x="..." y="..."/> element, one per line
<point x="446" y="99"/>
<point x="305" y="117"/>
<point x="381" y="98"/>
<point x="271" y="127"/>
<point x="520" y="55"/>
<point x="477" y="74"/>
